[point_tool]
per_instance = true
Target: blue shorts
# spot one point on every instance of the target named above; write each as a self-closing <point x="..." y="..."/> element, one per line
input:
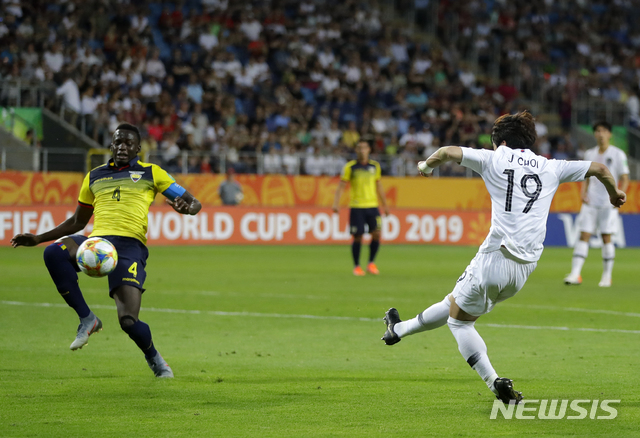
<point x="361" y="216"/>
<point x="132" y="260"/>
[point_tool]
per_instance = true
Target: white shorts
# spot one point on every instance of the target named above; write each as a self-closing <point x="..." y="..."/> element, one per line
<point x="490" y="278"/>
<point x="604" y="219"/>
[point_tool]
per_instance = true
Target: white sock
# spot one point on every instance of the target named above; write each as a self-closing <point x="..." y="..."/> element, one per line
<point x="580" y="253"/>
<point x="608" y="254"/>
<point x="473" y="349"/>
<point x="434" y="317"/>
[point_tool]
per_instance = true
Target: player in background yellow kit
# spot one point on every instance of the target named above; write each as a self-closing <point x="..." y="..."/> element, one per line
<point x="366" y="188"/>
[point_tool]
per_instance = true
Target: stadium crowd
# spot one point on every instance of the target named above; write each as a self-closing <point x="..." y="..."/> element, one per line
<point x="300" y="82"/>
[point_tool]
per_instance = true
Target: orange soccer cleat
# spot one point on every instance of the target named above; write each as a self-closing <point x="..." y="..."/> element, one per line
<point x="372" y="268"/>
<point x="358" y="272"/>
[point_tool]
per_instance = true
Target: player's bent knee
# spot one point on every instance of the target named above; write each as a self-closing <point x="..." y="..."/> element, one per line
<point x="126" y="321"/>
<point x="65" y="248"/>
<point x="53" y="252"/>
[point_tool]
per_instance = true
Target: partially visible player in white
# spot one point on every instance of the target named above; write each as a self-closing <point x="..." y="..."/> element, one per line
<point x="521" y="185"/>
<point x="596" y="212"/>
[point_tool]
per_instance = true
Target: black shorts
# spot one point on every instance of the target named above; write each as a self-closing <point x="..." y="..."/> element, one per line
<point x="132" y="260"/>
<point x="360" y="216"/>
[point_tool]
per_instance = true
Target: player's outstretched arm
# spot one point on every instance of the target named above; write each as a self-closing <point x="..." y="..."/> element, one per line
<point x="336" y="199"/>
<point x="382" y="198"/>
<point x="75" y="223"/>
<point x="600" y="171"/>
<point x="443" y="155"/>
<point x="185" y="204"/>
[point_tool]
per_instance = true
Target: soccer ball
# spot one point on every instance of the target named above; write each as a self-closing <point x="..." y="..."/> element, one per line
<point x="97" y="257"/>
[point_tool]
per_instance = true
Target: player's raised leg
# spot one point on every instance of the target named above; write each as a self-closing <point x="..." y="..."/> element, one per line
<point x="432" y="318"/>
<point x="59" y="257"/>
<point x="580" y="253"/>
<point x="128" y="300"/>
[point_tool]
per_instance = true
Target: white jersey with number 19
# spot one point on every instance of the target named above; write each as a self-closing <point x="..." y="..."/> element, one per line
<point x="521" y="185"/>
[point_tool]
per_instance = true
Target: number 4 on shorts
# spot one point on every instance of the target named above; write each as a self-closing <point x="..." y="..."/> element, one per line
<point x="134" y="269"/>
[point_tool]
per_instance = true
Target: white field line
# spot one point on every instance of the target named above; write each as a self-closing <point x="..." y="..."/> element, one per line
<point x="318" y="317"/>
<point x="345" y="297"/>
<point x="571" y="309"/>
<point x="213" y="293"/>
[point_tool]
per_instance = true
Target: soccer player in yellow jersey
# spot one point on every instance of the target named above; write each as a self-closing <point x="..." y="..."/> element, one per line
<point x="366" y="189"/>
<point x="119" y="194"/>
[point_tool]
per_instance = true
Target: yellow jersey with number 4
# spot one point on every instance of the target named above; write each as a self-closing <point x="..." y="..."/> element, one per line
<point x="121" y="196"/>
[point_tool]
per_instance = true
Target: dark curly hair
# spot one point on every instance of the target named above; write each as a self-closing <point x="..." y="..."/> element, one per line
<point x="518" y="130"/>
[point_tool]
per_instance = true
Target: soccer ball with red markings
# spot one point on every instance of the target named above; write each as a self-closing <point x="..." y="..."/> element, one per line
<point x="97" y="257"/>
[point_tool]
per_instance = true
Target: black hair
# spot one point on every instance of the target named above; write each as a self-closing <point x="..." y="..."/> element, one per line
<point x="602" y="123"/>
<point x="518" y="130"/>
<point x="130" y="127"/>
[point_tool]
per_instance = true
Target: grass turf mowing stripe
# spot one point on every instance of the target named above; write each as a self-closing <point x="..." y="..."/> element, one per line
<point x="326" y="317"/>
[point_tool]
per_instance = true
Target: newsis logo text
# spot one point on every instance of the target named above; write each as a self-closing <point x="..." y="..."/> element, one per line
<point x="556" y="410"/>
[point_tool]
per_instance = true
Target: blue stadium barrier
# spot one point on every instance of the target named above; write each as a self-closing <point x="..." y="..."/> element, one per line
<point x="562" y="230"/>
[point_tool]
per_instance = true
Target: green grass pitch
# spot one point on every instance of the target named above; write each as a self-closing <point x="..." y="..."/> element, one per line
<point x="319" y="369"/>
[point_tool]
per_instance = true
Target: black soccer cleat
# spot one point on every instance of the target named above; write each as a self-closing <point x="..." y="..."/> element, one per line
<point x="391" y="318"/>
<point x="506" y="393"/>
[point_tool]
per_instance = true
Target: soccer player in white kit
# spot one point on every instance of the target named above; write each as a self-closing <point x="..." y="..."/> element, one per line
<point x="596" y="212"/>
<point x="521" y="185"/>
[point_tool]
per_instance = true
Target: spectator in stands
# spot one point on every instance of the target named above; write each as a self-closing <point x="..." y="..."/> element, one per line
<point x="194" y="89"/>
<point x="313" y="163"/>
<point x="194" y="164"/>
<point x="271" y="143"/>
<point x="170" y="151"/>
<point x="290" y="161"/>
<point x="561" y="151"/>
<point x="351" y="135"/>
<point x="272" y="161"/>
<point x="54" y="58"/>
<point x="151" y="90"/>
<point x="333" y="134"/>
<point x="148" y="145"/>
<point x="410" y="138"/>
<point x="88" y="106"/>
<point x="230" y="190"/>
<point x="70" y="95"/>
<point x="424" y="139"/>
<point x="155" y="67"/>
